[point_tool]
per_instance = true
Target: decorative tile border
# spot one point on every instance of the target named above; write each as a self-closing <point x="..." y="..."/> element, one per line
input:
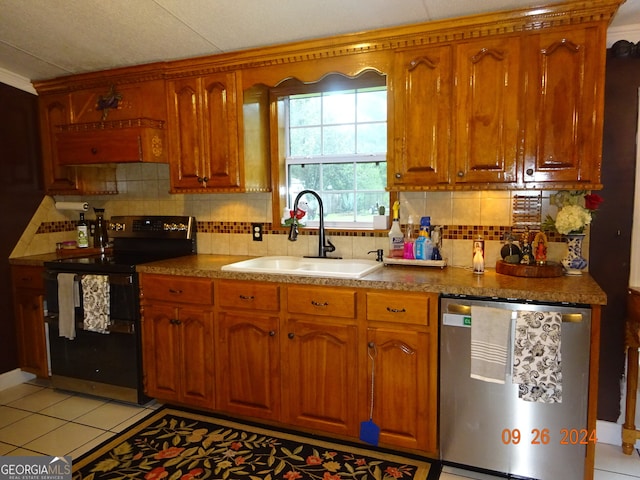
<point x="449" y="232"/>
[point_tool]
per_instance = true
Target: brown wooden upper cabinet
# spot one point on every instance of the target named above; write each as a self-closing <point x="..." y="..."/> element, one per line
<point x="563" y="111"/>
<point x="506" y="100"/>
<point x="512" y="111"/>
<point x="207" y="129"/>
<point x="204" y="123"/>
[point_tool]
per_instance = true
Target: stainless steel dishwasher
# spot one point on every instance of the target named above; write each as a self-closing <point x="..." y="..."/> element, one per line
<point x="485" y="426"/>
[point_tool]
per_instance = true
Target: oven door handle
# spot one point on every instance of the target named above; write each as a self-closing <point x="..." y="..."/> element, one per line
<point x="116" y="326"/>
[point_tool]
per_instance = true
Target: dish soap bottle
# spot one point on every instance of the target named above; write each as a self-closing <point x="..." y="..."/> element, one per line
<point x="82" y="232"/>
<point x="396" y="238"/>
<point x="424" y="245"/>
<point x="409" y="240"/>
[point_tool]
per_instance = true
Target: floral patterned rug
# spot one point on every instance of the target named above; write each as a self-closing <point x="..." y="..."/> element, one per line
<point x="177" y="444"/>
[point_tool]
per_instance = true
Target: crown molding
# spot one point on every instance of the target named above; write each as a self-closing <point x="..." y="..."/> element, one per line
<point x="17" y="81"/>
<point x="626" y="32"/>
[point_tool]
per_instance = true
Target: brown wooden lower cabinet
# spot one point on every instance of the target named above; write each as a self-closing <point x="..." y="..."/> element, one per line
<point x="177" y="340"/>
<point x="299" y="355"/>
<point x="248" y="364"/>
<point x="28" y="300"/>
<point x="320" y="375"/>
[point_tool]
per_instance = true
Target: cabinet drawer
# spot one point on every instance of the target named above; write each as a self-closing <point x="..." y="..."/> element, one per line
<point x="122" y="145"/>
<point x="255" y="296"/>
<point x="171" y="288"/>
<point x="27" y="277"/>
<point x="399" y="307"/>
<point x="333" y="302"/>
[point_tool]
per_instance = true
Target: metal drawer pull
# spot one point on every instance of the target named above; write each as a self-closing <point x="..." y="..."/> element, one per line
<point x="396" y="310"/>
<point x="466" y="310"/>
<point x="171" y="290"/>
<point x="318" y="304"/>
<point x="247" y="298"/>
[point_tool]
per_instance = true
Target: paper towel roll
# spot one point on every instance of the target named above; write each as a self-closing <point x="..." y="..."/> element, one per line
<point x="78" y="206"/>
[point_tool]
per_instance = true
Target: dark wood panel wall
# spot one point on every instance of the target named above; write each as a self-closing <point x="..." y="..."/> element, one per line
<point x="20" y="195"/>
<point x="610" y="247"/>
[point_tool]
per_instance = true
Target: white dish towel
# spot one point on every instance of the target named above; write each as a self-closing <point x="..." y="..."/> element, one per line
<point x="490" y="334"/>
<point x="68" y="299"/>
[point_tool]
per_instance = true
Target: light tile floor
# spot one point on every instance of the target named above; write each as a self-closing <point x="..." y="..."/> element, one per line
<point x="37" y="420"/>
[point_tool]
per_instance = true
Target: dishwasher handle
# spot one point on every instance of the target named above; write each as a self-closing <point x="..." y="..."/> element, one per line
<point x="459" y="309"/>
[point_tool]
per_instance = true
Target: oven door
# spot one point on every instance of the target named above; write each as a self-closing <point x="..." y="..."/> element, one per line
<point x="108" y="358"/>
<point x="103" y="364"/>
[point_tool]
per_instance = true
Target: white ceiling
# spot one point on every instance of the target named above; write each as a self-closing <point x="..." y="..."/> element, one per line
<point x="42" y="39"/>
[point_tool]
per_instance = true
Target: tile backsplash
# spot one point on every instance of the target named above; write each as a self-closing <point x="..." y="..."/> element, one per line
<point x="224" y="220"/>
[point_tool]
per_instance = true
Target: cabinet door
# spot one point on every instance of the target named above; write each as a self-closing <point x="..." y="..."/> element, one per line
<point x="421" y="87"/>
<point x="55" y="110"/>
<point x="405" y="387"/>
<point x="186" y="147"/>
<point x="487" y="110"/>
<point x="29" y="316"/>
<point x="203" y="120"/>
<point x="248" y="363"/>
<point x="320" y="376"/>
<point x="220" y="129"/>
<point x="161" y="356"/>
<point x="196" y="368"/>
<point x="563" y="136"/>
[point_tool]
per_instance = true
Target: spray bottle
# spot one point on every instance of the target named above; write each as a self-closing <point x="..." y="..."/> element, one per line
<point x="396" y="238"/>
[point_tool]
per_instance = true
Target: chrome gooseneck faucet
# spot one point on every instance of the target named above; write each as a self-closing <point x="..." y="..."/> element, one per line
<point x="324" y="244"/>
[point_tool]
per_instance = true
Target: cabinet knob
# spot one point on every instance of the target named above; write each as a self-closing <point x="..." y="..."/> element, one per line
<point x="291" y="335"/>
<point x="94" y="150"/>
<point x="460" y="173"/>
<point x="175" y="321"/>
<point x="247" y="298"/>
<point x="319" y="304"/>
<point x="529" y="171"/>
<point x="272" y="333"/>
<point x="398" y="175"/>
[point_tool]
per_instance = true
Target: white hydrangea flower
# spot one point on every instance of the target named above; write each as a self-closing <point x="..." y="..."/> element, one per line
<point x="572" y="219"/>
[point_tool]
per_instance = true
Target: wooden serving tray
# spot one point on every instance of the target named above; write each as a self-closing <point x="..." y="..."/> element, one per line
<point x="549" y="269"/>
<point x="415" y="263"/>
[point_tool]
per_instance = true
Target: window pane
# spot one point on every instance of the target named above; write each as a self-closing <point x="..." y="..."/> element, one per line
<point x="368" y="204"/>
<point x="339" y="107"/>
<point x="305" y="142"/>
<point x="372" y="106"/>
<point x="303" y="177"/>
<point x="339" y="140"/>
<point x="338" y="176"/>
<point x="305" y="110"/>
<point x="338" y="207"/>
<point x="372" y="138"/>
<point x="371" y="176"/>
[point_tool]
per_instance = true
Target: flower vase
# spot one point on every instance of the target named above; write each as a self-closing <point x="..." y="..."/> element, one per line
<point x="574" y="262"/>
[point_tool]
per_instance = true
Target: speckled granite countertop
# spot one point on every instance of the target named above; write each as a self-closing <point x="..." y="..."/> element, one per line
<point x="451" y="280"/>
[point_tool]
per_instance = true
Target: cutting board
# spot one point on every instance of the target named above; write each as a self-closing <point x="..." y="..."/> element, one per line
<point x="549" y="269"/>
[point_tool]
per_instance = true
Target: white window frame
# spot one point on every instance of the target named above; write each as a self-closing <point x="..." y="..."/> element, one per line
<point x="330" y="159"/>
